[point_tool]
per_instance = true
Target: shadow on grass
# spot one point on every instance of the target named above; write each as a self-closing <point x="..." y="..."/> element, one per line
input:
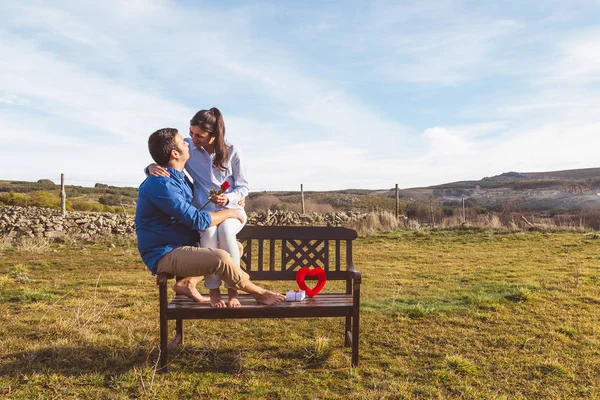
<point x="74" y="360"/>
<point x="234" y="361"/>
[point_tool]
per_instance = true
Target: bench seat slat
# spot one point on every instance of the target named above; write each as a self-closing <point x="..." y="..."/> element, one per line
<point x="323" y="305"/>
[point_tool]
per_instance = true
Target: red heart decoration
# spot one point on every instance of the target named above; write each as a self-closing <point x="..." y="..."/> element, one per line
<point x="321" y="279"/>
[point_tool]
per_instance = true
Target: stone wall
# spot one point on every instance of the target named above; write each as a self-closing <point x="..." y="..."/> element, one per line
<point x="34" y="221"/>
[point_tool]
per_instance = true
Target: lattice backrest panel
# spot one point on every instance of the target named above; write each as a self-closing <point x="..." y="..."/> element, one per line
<point x="292" y="254"/>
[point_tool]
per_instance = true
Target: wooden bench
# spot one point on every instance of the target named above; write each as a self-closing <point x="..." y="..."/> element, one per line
<point x="275" y="253"/>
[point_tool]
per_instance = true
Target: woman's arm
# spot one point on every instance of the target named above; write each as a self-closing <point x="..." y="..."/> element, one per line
<point x="238" y="174"/>
<point x="156" y="170"/>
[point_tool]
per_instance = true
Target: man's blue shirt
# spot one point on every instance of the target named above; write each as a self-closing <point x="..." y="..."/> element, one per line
<point x="165" y="218"/>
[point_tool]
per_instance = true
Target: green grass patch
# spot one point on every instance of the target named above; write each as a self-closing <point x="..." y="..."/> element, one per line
<point x="28" y="296"/>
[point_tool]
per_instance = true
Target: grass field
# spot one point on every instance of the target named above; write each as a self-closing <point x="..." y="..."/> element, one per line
<point x="445" y="314"/>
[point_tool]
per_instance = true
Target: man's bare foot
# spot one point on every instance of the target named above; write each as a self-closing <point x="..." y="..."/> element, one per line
<point x="215" y="298"/>
<point x="269" y="298"/>
<point x="233" y="301"/>
<point x="187" y="287"/>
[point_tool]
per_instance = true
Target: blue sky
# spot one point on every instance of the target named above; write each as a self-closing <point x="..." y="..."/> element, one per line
<point x="331" y="94"/>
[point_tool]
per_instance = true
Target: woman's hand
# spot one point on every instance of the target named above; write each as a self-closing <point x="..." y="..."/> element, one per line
<point x="157" y="170"/>
<point x="242" y="202"/>
<point x="220" y="200"/>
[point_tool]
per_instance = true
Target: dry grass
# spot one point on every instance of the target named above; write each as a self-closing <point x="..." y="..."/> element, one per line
<point x="5" y="242"/>
<point x="35" y="245"/>
<point x="377" y="221"/>
<point x="445" y="314"/>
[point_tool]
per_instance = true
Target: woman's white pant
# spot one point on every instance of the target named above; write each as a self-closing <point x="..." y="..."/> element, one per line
<point x="222" y="237"/>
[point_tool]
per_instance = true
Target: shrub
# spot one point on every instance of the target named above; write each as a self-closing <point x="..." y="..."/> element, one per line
<point x="111" y="200"/>
<point x="14" y="199"/>
<point x="82" y="205"/>
<point x="42" y="198"/>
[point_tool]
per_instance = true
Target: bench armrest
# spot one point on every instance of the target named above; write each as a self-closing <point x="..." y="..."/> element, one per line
<point x="353" y="273"/>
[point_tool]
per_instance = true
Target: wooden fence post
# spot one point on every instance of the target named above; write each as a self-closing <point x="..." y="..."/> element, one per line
<point x="431" y="211"/>
<point x="302" y="196"/>
<point x="397" y="202"/>
<point x="63" y="196"/>
<point x="464" y="214"/>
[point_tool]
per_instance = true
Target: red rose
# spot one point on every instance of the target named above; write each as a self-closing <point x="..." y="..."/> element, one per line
<point x="225" y="186"/>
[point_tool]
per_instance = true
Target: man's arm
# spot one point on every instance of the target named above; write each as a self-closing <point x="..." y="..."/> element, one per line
<point x="167" y="196"/>
<point x="220" y="216"/>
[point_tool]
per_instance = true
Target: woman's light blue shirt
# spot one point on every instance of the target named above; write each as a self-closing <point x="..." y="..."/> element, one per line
<point x="205" y="177"/>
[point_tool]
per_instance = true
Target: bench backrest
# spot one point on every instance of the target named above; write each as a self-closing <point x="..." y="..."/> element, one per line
<point x="277" y="252"/>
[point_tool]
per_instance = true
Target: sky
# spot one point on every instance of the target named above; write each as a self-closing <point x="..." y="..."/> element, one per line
<point x="328" y="94"/>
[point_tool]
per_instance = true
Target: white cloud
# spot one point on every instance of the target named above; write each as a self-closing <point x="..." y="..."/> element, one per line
<point x="444" y="142"/>
<point x="579" y="60"/>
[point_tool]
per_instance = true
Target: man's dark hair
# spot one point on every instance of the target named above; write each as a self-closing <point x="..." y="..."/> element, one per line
<point x="161" y="143"/>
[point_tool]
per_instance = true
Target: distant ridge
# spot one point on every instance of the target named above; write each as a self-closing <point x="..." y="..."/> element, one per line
<point x="585" y="173"/>
<point x="506" y="178"/>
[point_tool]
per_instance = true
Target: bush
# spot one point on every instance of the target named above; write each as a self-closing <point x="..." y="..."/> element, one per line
<point x="111" y="200"/>
<point x="82" y="205"/>
<point x="14" y="199"/>
<point x="42" y="198"/>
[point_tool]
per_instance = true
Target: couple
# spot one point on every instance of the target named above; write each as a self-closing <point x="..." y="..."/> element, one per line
<point x="168" y="220"/>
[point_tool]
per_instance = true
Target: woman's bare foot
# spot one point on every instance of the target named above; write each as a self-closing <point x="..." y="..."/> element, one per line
<point x="269" y="298"/>
<point x="215" y="298"/>
<point x="233" y="301"/>
<point x="187" y="287"/>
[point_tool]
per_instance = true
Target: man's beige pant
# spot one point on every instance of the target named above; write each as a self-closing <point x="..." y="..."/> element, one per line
<point x="187" y="261"/>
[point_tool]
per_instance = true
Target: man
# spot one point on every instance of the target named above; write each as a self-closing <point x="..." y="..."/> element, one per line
<point x="167" y="225"/>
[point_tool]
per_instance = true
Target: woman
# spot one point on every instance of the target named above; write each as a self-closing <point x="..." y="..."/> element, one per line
<point x="213" y="161"/>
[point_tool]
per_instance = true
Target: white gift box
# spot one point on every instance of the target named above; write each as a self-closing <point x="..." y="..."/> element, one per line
<point x="295" y="295"/>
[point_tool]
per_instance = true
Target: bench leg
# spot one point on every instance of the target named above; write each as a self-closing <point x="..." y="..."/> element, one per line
<point x="348" y="332"/>
<point x="164" y="329"/>
<point x="179" y="330"/>
<point x="355" y="324"/>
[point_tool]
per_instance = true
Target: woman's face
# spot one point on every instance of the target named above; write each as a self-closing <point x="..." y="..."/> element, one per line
<point x="199" y="137"/>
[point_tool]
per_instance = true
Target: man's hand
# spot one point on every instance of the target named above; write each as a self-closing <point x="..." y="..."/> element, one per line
<point x="220" y="200"/>
<point x="157" y="170"/>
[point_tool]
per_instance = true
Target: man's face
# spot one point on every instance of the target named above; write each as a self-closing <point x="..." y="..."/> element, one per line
<point x="199" y="137"/>
<point x="182" y="147"/>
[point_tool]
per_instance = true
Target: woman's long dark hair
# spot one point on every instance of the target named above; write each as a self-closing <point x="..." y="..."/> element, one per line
<point x="211" y="121"/>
